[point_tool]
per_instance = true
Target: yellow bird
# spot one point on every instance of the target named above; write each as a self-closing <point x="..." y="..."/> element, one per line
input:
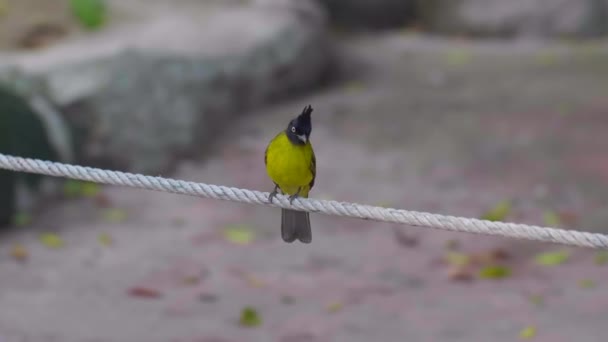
<point x="291" y="165"/>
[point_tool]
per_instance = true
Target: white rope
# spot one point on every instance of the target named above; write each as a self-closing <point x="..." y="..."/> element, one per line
<point x="366" y="212"/>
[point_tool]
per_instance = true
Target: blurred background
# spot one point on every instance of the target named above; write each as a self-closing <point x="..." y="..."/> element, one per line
<point x="492" y="109"/>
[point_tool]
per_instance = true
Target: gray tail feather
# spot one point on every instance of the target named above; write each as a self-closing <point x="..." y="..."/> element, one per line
<point x="295" y="225"/>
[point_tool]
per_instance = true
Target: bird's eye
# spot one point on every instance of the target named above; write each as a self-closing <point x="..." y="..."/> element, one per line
<point x="293" y="129"/>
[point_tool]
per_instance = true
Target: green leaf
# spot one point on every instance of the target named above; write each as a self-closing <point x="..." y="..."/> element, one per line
<point x="586" y="284"/>
<point x="250" y="317"/>
<point x="537" y="300"/>
<point x="334" y="306"/>
<point x="601" y="258"/>
<point x="105" y="239"/>
<point x="51" y="240"/>
<point x="494" y="272"/>
<point x="239" y="234"/>
<point x="22" y="219"/>
<point x="72" y="188"/>
<point x="552" y="258"/>
<point x="90" y="189"/>
<point x="499" y="212"/>
<point x="114" y="215"/>
<point x="527" y="333"/>
<point x="452" y="244"/>
<point x="458" y="57"/>
<point x="546" y="58"/>
<point x="90" y="13"/>
<point x="551" y="219"/>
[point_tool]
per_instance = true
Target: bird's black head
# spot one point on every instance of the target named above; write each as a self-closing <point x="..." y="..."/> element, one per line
<point x="299" y="128"/>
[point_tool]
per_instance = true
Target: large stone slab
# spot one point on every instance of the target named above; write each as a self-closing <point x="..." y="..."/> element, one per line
<point x="538" y="18"/>
<point x="366" y="14"/>
<point x="163" y="78"/>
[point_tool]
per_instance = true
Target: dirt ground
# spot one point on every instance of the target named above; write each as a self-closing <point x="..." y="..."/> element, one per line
<point x="446" y="127"/>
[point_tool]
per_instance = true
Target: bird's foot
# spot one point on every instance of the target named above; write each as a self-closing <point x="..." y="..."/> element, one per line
<point x="273" y="194"/>
<point x="293" y="197"/>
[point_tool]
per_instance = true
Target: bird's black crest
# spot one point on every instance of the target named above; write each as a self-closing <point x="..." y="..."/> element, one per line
<point x="300" y="126"/>
<point x="304" y="121"/>
<point x="305" y="116"/>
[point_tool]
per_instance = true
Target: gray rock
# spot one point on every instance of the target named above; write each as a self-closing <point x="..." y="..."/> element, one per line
<point x="533" y="18"/>
<point x="366" y="14"/>
<point x="165" y="76"/>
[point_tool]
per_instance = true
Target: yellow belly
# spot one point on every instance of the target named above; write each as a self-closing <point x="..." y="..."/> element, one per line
<point x="289" y="165"/>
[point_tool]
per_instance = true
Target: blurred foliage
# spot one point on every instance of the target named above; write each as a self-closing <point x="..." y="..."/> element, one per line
<point x="91" y="14"/>
<point x="23" y="134"/>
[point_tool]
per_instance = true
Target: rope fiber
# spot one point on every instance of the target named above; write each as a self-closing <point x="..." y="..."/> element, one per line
<point x="366" y="212"/>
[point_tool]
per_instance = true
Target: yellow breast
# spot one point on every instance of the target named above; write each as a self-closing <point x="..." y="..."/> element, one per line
<point x="289" y="165"/>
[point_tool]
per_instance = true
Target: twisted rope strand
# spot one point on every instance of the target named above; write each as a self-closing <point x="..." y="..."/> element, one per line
<point x="412" y="218"/>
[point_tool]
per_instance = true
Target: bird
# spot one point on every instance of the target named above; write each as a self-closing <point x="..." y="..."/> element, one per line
<point x="291" y="165"/>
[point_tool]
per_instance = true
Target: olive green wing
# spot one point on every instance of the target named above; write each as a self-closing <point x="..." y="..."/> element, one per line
<point x="313" y="169"/>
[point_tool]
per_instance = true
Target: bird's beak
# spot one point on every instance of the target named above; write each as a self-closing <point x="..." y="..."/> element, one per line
<point x="303" y="138"/>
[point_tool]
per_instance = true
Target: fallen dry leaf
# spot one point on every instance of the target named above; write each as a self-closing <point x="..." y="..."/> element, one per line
<point x="250" y="317"/>
<point x="499" y="212"/>
<point x="537" y="300"/>
<point x="527" y="333"/>
<point x="457" y="259"/>
<point x="551" y="219"/>
<point x="19" y="253"/>
<point x="601" y="258"/>
<point x="114" y="215"/>
<point x="102" y="201"/>
<point x="495" y="272"/>
<point x="51" y="240"/>
<point x="334" y="306"/>
<point x="586" y="284"/>
<point x="452" y="244"/>
<point x="105" y="239"/>
<point x="191" y="280"/>
<point x="239" y="234"/>
<point x="144" y="292"/>
<point x="254" y="281"/>
<point x="460" y="273"/>
<point x="490" y="257"/>
<point x="552" y="258"/>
